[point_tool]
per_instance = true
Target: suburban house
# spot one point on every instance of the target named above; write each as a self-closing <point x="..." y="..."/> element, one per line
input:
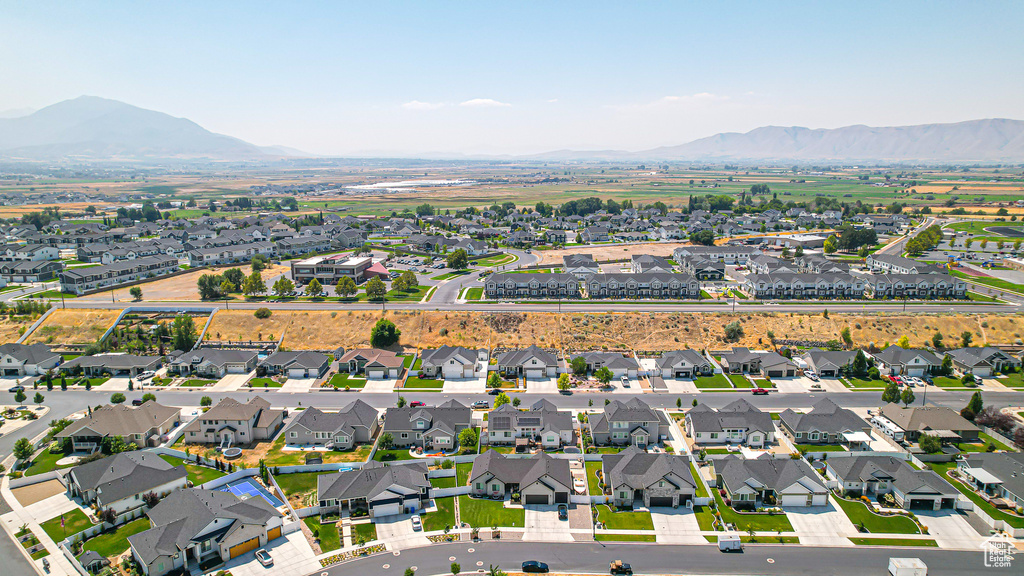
<point x="911" y="422"/>
<point x="453" y="362"/>
<point x="374" y="363"/>
<point x="828" y="363"/>
<point x="619" y="364"/>
<point x="191" y="528"/>
<point x="769" y="364"/>
<point x="233" y="422"/>
<point x="118" y="482"/>
<point x="378" y="489"/>
<point x="999" y="475"/>
<point x="738" y="422"/>
<point x="27" y="359"/>
<point x="144" y="425"/>
<point x="683" y="364"/>
<point x="213" y="363"/>
<point x="429" y="427"/>
<point x="640" y="263"/>
<point x="296" y="364"/>
<point x="983" y="362"/>
<point x="531" y="363"/>
<point x="354" y="424"/>
<point x="632" y="422"/>
<point x="906" y="361"/>
<point x="639" y="479"/>
<point x="766" y="481"/>
<point x="580" y="265"/>
<point x="121" y="365"/>
<point x="826" y="423"/>
<point x="542" y="423"/>
<point x="540" y="479"/>
<point x="876" y="475"/>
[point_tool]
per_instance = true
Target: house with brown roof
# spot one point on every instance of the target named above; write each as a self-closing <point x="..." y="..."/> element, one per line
<point x="236" y="423"/>
<point x="144" y="425"/>
<point x="373" y="362"/>
<point x="937" y="420"/>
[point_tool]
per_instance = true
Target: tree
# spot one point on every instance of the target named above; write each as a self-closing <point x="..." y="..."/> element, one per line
<point x="424" y="210"/>
<point x="314" y="289"/>
<point x="937" y="340"/>
<point x="947" y="366"/>
<point x="346" y="287"/>
<point x="458" y="260"/>
<point x="408" y="278"/>
<point x="384" y="334"/>
<point x="578" y="365"/>
<point x="1018" y="437"/>
<point x="38" y="398"/>
<point x="493" y="380"/>
<point x="117" y="398"/>
<point x="148" y="396"/>
<point x="456" y="569"/>
<point x="859" y="365"/>
<point x="733" y="331"/>
<point x="375" y="289"/>
<point x="254" y="284"/>
<point x="495" y="571"/>
<point x="401" y="402"/>
<point x="468" y="438"/>
<point x="846" y="336"/>
<point x="19" y="397"/>
<point x="136" y="293"/>
<point x="500" y="400"/>
<point x="703" y="237"/>
<point x="227" y="287"/>
<point x="150" y="499"/>
<point x="206" y="401"/>
<point x="235" y="276"/>
<point x="410" y="572"/>
<point x="975" y="404"/>
<point x="563" y="382"/>
<point x="907" y="397"/>
<point x="965" y="339"/>
<point x="209" y="286"/>
<point x="516" y="401"/>
<point x="995" y="418"/>
<point x="263" y="313"/>
<point x="831" y="244"/>
<point x="259" y="263"/>
<point x="386" y="441"/>
<point x="903" y="342"/>
<point x="23" y="449"/>
<point x="891" y="394"/>
<point x="930" y="443"/>
<point x="183" y="333"/>
<point x="604" y="375"/>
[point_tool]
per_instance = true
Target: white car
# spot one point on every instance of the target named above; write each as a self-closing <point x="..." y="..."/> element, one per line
<point x="264" y="557"/>
<point x="146" y="375"/>
<point x="417" y="525"/>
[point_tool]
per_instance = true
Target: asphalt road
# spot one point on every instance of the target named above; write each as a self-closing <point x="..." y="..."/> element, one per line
<point x="591" y="557"/>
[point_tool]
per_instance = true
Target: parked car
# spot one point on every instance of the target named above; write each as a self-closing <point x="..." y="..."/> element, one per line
<point x="146" y="375"/>
<point x="16" y="388"/>
<point x="482" y="404"/>
<point x="625" y="382"/>
<point x="137" y="402"/>
<point x="563" y="512"/>
<point x="811" y="374"/>
<point x="494" y="391"/>
<point x="264" y="557"/>
<point x="417" y="524"/>
<point x="759" y="392"/>
<point x="416" y="404"/>
<point x="618" y="567"/>
<point x="535" y="566"/>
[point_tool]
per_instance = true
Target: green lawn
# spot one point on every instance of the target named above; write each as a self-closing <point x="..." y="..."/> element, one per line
<point x="592" y="482"/>
<point x="739" y="381"/>
<point x="197" y="382"/>
<point x="45" y="462"/>
<point x="625" y="520"/>
<point x="715" y="381"/>
<point x="625" y="537"/>
<point x="448" y="482"/>
<point x="344" y="379"/>
<point x="278" y="456"/>
<point x="1012" y="380"/>
<point x="480" y="513"/>
<point x="445" y="515"/>
<point x="947" y="382"/>
<point x="805" y="448"/>
<point x="858" y="513"/>
<point x="265" y="383"/>
<point x="744" y="521"/>
<point x="705" y="519"/>
<point x="989" y="281"/>
<point x="498" y="260"/>
<point x="196" y="474"/>
<point x="407" y="295"/>
<point x="330" y="537"/>
<point x="74" y="522"/>
<point x="474" y="293"/>
<point x="701" y="492"/>
<point x="943" y="470"/>
<point x="298" y="483"/>
<point x="367" y="531"/>
<point x="450" y="275"/>
<point x="610" y="449"/>
<point x="462" y="472"/>
<point x="114" y="543"/>
<point x="398" y="453"/>
<point x="894" y="542"/>
<point x="864" y="383"/>
<point x="417" y="382"/>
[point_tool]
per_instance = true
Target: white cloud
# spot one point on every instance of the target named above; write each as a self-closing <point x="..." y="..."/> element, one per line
<point x="417" y="105"/>
<point x="484" y="103"/>
<point x="553" y="100"/>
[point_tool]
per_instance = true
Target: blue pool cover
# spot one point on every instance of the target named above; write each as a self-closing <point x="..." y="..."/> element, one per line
<point x="247" y="488"/>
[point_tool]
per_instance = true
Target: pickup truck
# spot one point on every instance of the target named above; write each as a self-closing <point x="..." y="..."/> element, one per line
<point x="618" y="567"/>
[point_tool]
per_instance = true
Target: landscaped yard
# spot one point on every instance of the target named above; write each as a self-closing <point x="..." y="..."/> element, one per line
<point x="462" y="472"/>
<point x="745" y="521"/>
<point x="367" y="531"/>
<point x="947" y="382"/>
<point x="299" y="484"/>
<point x="858" y="513"/>
<point x="705" y="519"/>
<point x="445" y="515"/>
<point x="330" y="538"/>
<point x="480" y="513"/>
<point x="625" y="520"/>
<point x="278" y="456"/>
<point x="1013" y="520"/>
<point x="448" y="482"/>
<point x="196" y="474"/>
<point x="264" y="383"/>
<point x="701" y="492"/>
<point x="114" y="543"/>
<point x="197" y="382"/>
<point x="592" y="481"/>
<point x="474" y="293"/>
<point x="45" y="462"/>
<point x="894" y="542"/>
<point x="864" y="383"/>
<point x="74" y="522"/>
<point x="739" y="380"/>
<point x="344" y="379"/>
<point x="1013" y="380"/>
<point x="417" y="382"/>
<point x="982" y="446"/>
<point x="625" y="537"/>
<point x="805" y="448"/>
<point x="392" y="455"/>
<point x="715" y="381"/>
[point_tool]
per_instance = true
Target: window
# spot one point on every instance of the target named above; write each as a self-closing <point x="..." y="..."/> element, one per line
<point x="494" y="487"/>
<point x="479" y="486"/>
<point x="293" y="435"/>
<point x="405" y="435"/>
<point x="714" y="435"/>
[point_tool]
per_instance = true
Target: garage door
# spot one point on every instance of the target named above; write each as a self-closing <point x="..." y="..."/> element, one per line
<point x="387" y="509"/>
<point x="661" y="501"/>
<point x="794" y="500"/>
<point x="247" y="546"/>
<point x="682" y="373"/>
<point x="561" y="497"/>
<point x="538" y="373"/>
<point x="274" y="533"/>
<point x="536" y="499"/>
<point x="775" y="373"/>
<point x="922" y="504"/>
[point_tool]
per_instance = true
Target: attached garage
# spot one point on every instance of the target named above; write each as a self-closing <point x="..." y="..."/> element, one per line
<point x="561" y="497"/>
<point x="682" y="373"/>
<point x="665" y="501"/>
<point x="273" y="533"/>
<point x="775" y="373"/>
<point x="247" y="546"/>
<point x="376" y="373"/>
<point x="538" y="499"/>
<point x="390" y="509"/>
<point x="922" y="504"/>
<point x="794" y="500"/>
<point x="535" y="373"/>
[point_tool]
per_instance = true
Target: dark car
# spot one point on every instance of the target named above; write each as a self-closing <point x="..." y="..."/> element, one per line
<point x="759" y="392"/>
<point x="18" y="388"/>
<point x="494" y="391"/>
<point x="137" y="402"/>
<point x="563" y="512"/>
<point x="535" y="566"/>
<point x="416" y="404"/>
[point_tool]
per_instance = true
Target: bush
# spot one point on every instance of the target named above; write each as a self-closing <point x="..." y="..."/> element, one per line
<point x="262" y="313"/>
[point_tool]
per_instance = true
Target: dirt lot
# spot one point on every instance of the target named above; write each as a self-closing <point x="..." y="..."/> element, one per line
<point x="28" y="495"/>
<point x="11" y="330"/>
<point x="74" y="326"/>
<point x="611" y="251"/>
<point x="181" y="287"/>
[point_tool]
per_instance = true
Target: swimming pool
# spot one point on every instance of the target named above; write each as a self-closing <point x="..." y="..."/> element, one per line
<point x="247" y="488"/>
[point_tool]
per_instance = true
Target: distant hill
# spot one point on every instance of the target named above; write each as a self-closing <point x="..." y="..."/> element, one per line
<point x="91" y="128"/>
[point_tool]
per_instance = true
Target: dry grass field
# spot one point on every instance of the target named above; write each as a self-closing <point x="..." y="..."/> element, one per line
<point x="611" y="251"/>
<point x="11" y="330"/>
<point x="74" y="326"/>
<point x="179" y="288"/>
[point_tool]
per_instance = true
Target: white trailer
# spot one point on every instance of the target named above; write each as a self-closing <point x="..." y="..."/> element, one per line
<point x="907" y="567"/>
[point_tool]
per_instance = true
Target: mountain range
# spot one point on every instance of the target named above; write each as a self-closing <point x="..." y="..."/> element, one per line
<point x="92" y="128"/>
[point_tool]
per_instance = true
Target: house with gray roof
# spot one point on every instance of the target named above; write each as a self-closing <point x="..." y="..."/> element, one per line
<point x="769" y="364"/>
<point x="619" y="364"/>
<point x="539" y="479"/>
<point x="542" y="423"/>
<point x="118" y="482"/>
<point x="128" y="365"/>
<point x="640" y="263"/>
<point x="683" y="364"/>
<point x="193" y="527"/>
<point x="532" y="363"/>
<point x="906" y="361"/>
<point x="213" y="363"/>
<point x="826" y="423"/>
<point x="936" y="420"/>
<point x="429" y="427"/>
<point x="144" y="425"/>
<point x="354" y="424"/>
<point x="27" y="359"/>
<point x="580" y="265"/>
<point x="828" y="363"/>
<point x="638" y="479"/>
<point x="767" y="481"/>
<point x="997" y="474"/>
<point x="453" y="362"/>
<point x="876" y="475"/>
<point x="984" y="361"/>
<point x="532" y="284"/>
<point x="378" y="489"/>
<point x="738" y="422"/>
<point x="234" y="422"/>
<point x="296" y="364"/>
<point x="632" y="422"/>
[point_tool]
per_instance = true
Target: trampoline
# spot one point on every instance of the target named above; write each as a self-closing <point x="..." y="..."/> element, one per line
<point x="247" y="488"/>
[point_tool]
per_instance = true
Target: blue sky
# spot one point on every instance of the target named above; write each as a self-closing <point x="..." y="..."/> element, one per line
<point x="482" y="77"/>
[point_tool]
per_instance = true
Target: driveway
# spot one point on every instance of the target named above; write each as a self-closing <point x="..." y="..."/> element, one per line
<point x="543" y="525"/>
<point x="951" y="529"/>
<point x="832" y="385"/>
<point x="796" y="385"/>
<point x="543" y="386"/>
<point x="232" y="382"/>
<point x="379" y="386"/>
<point x="291" y="554"/>
<point x="677" y="386"/>
<point x="821" y="525"/>
<point x="397" y="531"/>
<point x="298" y="385"/>
<point x="676" y="526"/>
<point x="465" y="386"/>
<point x="116" y="384"/>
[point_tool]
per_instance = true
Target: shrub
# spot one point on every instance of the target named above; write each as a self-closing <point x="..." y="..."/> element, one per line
<point x="262" y="313"/>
